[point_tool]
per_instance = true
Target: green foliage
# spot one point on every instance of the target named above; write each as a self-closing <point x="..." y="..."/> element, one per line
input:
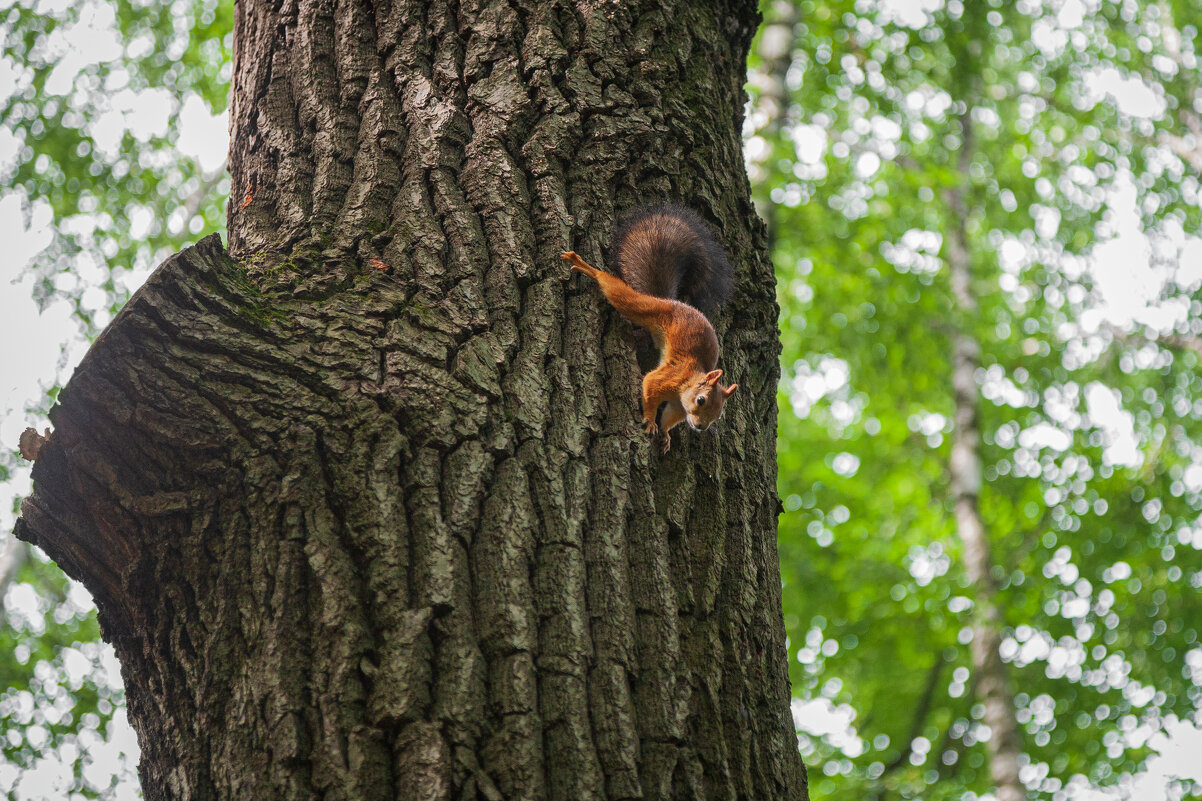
<point x="121" y="195"/>
<point x="56" y="701"/>
<point x="892" y="138"/>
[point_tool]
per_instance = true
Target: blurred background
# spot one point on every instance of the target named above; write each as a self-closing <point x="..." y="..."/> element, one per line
<point x="982" y="211"/>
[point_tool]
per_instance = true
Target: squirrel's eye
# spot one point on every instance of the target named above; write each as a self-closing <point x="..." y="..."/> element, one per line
<point x="700" y="400"/>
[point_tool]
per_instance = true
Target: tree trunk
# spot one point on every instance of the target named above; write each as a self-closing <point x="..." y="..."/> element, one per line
<point x="776" y="54"/>
<point x="366" y="508"/>
<point x="991" y="679"/>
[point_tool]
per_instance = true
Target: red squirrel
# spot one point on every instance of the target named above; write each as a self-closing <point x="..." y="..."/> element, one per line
<point x="665" y="253"/>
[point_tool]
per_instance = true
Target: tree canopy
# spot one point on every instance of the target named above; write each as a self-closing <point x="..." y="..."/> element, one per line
<point x="1046" y="135"/>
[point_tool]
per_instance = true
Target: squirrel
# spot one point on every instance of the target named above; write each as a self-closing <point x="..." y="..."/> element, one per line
<point x="666" y="255"/>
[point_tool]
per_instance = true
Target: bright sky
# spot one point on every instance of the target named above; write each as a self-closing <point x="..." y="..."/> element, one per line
<point x="43" y="348"/>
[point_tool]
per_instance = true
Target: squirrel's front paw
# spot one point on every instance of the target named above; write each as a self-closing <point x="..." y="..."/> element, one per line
<point x="649" y="427"/>
<point x="665" y="443"/>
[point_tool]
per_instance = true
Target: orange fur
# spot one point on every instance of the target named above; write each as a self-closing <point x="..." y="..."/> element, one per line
<point x="685" y="378"/>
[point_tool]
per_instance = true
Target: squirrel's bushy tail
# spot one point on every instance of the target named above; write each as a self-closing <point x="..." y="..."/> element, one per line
<point x="670" y="252"/>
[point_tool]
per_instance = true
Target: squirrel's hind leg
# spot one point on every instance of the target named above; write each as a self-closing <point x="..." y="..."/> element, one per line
<point x="646" y="310"/>
<point x="579" y="264"/>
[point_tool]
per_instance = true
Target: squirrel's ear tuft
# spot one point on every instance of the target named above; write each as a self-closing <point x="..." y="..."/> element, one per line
<point x="730" y="390"/>
<point x="712" y="376"/>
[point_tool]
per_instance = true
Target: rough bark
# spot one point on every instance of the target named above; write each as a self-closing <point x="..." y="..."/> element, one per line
<point x="992" y="680"/>
<point x="366" y="509"/>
